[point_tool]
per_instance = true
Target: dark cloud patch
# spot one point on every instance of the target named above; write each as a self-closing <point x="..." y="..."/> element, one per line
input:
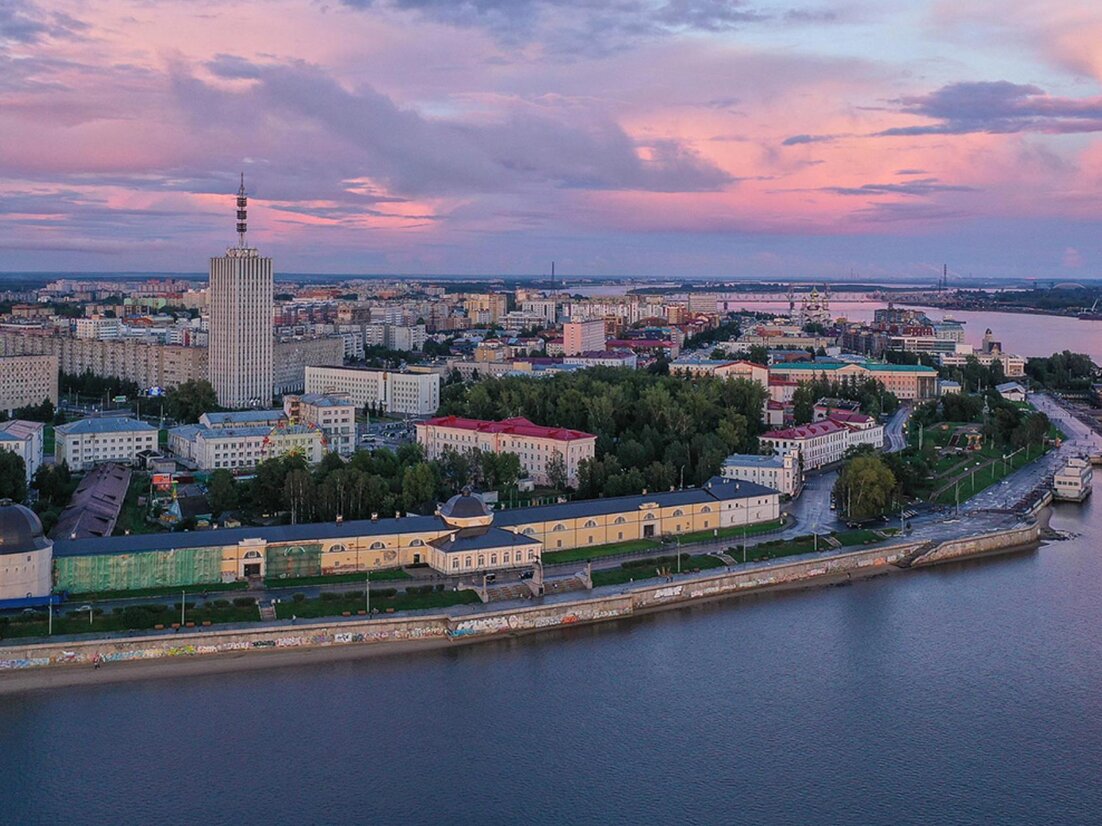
<point x="922" y="187"/>
<point x="997" y="107"/>
<point x="797" y="140"/>
<point x="812" y="16"/>
<point x="594" y="28"/>
<point x="23" y="21"/>
<point x="231" y="67"/>
<point x="707" y="15"/>
<point x="295" y="111"/>
<point x="886" y="213"/>
<point x="902" y="172"/>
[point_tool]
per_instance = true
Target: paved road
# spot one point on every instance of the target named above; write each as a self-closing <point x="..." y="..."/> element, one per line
<point x="895" y="432"/>
<point x="1081" y="440"/>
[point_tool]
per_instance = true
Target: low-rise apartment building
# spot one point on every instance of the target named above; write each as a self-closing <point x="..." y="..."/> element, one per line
<point x="780" y="471"/>
<point x="907" y="381"/>
<point x="396" y="393"/>
<point x="86" y="443"/>
<point x="25" y="439"/>
<point x="824" y="442"/>
<point x="243" y="448"/>
<point x="537" y="447"/>
<point x="818" y="444"/>
<point x="583" y="336"/>
<point x="335" y="415"/>
<point x="696" y="367"/>
<point x="27" y="380"/>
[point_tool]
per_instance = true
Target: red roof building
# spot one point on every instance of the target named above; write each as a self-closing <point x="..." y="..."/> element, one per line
<point x="538" y="447"/>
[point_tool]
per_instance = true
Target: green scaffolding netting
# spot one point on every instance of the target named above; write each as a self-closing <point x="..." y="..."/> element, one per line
<point x="150" y="569"/>
<point x="293" y="561"/>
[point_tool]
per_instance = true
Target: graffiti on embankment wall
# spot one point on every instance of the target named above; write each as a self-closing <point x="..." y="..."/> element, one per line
<point x="482" y="625"/>
<point x="152" y="648"/>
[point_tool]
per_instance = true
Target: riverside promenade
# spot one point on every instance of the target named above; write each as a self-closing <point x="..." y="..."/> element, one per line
<point x="466" y="624"/>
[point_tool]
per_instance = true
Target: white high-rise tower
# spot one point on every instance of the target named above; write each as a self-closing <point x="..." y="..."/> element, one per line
<point x="241" y="300"/>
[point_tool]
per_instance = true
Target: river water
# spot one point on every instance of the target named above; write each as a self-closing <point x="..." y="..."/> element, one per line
<point x="967" y="693"/>
<point x="1020" y="333"/>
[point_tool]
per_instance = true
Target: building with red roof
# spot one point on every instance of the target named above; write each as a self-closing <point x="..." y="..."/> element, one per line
<point x="537" y="446"/>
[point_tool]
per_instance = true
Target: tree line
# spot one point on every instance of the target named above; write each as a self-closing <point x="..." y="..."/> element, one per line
<point x="653" y="431"/>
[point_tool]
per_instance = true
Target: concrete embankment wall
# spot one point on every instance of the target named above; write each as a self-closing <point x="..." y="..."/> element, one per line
<point x="443" y="628"/>
<point x="983" y="544"/>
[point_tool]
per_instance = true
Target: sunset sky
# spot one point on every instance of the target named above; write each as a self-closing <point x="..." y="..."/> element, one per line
<point x="651" y="137"/>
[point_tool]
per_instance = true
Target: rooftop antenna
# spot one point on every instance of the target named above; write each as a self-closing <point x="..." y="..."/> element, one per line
<point x="242" y="213"/>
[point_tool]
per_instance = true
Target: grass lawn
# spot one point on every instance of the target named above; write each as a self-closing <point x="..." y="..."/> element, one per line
<point x="732" y="532"/>
<point x="597" y="551"/>
<point x="163" y="591"/>
<point x="643" y="569"/>
<point x="353" y="601"/>
<point x="130" y="618"/>
<point x="298" y="581"/>
<point x="860" y="536"/>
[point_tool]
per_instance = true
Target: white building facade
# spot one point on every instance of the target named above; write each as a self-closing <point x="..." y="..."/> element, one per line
<point x="25" y="439"/>
<point x="27" y="380"/>
<point x="86" y="443"/>
<point x="537" y="447"/>
<point x="404" y="394"/>
<point x="779" y="471"/>
<point x="241" y="303"/>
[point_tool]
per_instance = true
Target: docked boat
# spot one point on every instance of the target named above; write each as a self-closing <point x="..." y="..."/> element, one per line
<point x="1072" y="482"/>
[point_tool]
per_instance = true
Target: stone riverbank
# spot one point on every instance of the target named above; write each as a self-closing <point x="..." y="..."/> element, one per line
<point x="410" y="633"/>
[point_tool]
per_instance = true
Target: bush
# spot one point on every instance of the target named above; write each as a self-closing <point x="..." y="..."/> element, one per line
<point x="440" y="587"/>
<point x="244" y="602"/>
<point x="220" y="603"/>
<point x="298" y="597"/>
<point x="386" y="593"/>
<point x="138" y="616"/>
<point x="330" y="595"/>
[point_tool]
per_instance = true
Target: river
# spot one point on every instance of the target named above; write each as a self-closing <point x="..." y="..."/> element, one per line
<point x="1020" y="333"/>
<point x="967" y="693"/>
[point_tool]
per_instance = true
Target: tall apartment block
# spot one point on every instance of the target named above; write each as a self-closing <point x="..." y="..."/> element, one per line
<point x="241" y="300"/>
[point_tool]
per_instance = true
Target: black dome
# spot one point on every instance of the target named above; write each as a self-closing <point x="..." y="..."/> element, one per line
<point x="464" y="506"/>
<point x="20" y="529"/>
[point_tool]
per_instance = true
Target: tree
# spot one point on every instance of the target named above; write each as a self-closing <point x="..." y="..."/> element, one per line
<point x="865" y="487"/>
<point x="556" y="472"/>
<point x="418" y="487"/>
<point x="267" y="487"/>
<point x="52" y="483"/>
<point x="13" y="476"/>
<point x="188" y="401"/>
<point x="221" y="492"/>
<point x="43" y="412"/>
<point x="298" y="495"/>
<point x="758" y="354"/>
<point x="803" y="403"/>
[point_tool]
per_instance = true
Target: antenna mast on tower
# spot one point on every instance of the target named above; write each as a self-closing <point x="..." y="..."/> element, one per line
<point x="242" y="213"/>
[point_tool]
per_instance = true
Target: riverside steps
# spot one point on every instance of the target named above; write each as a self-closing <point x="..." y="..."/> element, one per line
<point x="487" y="622"/>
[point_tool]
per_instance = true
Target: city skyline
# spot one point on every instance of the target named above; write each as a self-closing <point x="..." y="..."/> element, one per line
<point x="683" y="138"/>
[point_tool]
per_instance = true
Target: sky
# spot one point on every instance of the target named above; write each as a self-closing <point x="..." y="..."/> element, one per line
<point x="656" y="138"/>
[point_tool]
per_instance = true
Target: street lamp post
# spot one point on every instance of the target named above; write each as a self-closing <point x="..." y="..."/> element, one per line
<point x="183" y="607"/>
<point x="367" y="593"/>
